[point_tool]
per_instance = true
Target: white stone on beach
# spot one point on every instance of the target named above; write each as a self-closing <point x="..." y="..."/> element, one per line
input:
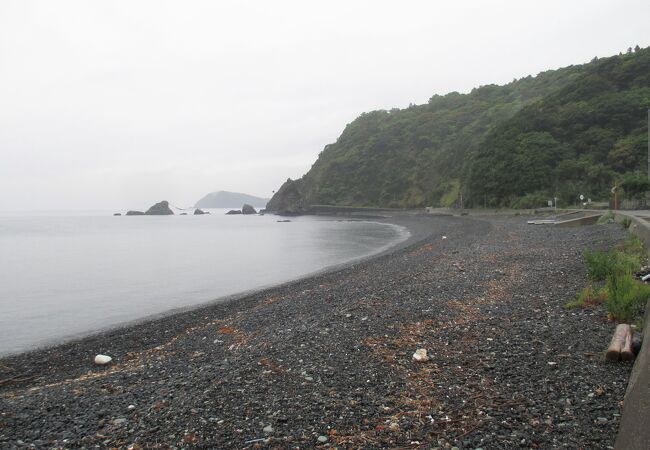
<point x="102" y="360"/>
<point x="420" y="355"/>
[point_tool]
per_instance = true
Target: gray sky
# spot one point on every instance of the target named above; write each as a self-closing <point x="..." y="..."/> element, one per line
<point x="118" y="104"/>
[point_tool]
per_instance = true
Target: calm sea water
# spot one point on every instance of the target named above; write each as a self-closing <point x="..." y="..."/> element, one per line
<point x="66" y="275"/>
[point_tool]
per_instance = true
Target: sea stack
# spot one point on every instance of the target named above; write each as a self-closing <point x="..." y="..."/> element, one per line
<point x="248" y="209"/>
<point x="160" y="209"/>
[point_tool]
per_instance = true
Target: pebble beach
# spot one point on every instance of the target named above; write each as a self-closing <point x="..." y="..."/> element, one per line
<point x="327" y="361"/>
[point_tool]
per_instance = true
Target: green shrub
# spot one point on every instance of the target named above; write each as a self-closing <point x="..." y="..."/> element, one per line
<point x="601" y="265"/>
<point x="626" y="297"/>
<point x="530" y="201"/>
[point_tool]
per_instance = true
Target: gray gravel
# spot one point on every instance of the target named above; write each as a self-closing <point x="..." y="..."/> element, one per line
<point x="326" y="361"/>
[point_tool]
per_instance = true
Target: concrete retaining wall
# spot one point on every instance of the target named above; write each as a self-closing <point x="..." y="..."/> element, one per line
<point x="634" y="430"/>
<point x="578" y="222"/>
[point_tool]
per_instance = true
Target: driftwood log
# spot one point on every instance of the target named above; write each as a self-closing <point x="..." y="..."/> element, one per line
<point x="620" y="347"/>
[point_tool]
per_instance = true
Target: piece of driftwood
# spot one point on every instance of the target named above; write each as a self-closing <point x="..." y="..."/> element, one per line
<point x="620" y="347"/>
<point x="627" y="353"/>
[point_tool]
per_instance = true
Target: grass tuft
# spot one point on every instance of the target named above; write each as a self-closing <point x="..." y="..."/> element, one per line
<point x="600" y="265"/>
<point x="623" y="295"/>
<point x="588" y="297"/>
<point x="626" y="297"/>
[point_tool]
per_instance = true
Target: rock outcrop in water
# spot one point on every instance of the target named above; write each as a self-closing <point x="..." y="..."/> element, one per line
<point x="160" y="209"/>
<point x="198" y="212"/>
<point x="288" y="200"/>
<point x="248" y="209"/>
<point x="233" y="212"/>
<point x="135" y="213"/>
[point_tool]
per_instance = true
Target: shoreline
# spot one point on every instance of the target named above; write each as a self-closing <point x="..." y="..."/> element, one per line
<point x="82" y="335"/>
<point x="407" y="220"/>
<point x="327" y="360"/>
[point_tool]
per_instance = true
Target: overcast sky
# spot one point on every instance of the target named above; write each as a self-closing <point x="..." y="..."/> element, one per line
<point x="119" y="104"/>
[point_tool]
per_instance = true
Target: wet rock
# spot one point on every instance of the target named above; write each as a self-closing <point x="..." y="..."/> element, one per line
<point x="198" y="212"/>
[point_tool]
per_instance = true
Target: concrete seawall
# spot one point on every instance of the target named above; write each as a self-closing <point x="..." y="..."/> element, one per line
<point x="634" y="431"/>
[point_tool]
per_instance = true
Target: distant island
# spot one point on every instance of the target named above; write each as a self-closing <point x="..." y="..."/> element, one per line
<point x="225" y="199"/>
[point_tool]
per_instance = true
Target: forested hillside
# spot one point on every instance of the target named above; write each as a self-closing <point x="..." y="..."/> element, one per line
<point x="580" y="139"/>
<point x="565" y="132"/>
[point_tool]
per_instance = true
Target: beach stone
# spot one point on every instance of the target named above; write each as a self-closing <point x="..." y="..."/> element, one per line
<point x="248" y="209"/>
<point x="420" y="355"/>
<point x="322" y="439"/>
<point x="119" y="422"/>
<point x="102" y="360"/>
<point x="268" y="429"/>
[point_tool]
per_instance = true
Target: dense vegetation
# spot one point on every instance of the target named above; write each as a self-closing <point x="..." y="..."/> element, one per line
<point x="580" y="139"/>
<point x="571" y="131"/>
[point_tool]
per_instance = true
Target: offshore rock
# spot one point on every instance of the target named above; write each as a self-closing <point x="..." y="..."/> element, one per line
<point x="160" y="209"/>
<point x="233" y="212"/>
<point x="135" y="213"/>
<point x="198" y="212"/>
<point x="248" y="209"/>
<point x="289" y="199"/>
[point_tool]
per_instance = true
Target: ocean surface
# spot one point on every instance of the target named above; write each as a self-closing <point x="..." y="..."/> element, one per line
<point x="68" y="274"/>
